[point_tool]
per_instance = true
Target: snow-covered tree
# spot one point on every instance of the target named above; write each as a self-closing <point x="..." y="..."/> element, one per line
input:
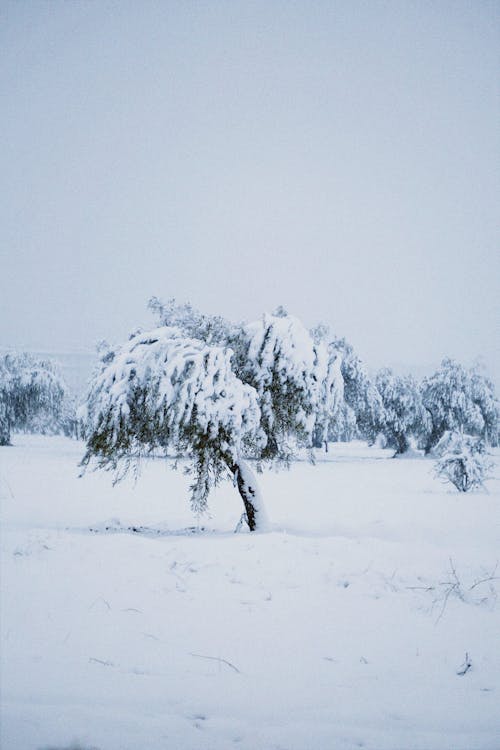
<point x="331" y="405"/>
<point x="163" y="391"/>
<point x="277" y="356"/>
<point x="31" y="395"/>
<point x="483" y="396"/>
<point x="69" y="423"/>
<point x="458" y="399"/>
<point x="173" y="392"/>
<point x="404" y="416"/>
<point x="343" y="428"/>
<point x="363" y="401"/>
<point x="332" y="409"/>
<point x="462" y="460"/>
<point x="5" y="402"/>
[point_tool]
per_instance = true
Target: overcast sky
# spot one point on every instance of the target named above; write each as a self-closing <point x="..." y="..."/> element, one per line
<point x="339" y="158"/>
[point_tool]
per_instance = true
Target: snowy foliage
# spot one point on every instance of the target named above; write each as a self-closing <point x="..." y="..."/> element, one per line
<point x="344" y="427"/>
<point x="482" y="392"/>
<point x="404" y="417"/>
<point x="31" y="395"/>
<point x="460" y="399"/>
<point x="462" y="460"/>
<point x="330" y="411"/>
<point x="212" y="329"/>
<point x="293" y="372"/>
<point x="363" y="403"/>
<point x="334" y="418"/>
<point x="277" y="356"/>
<point x="69" y="423"/>
<point x="280" y="360"/>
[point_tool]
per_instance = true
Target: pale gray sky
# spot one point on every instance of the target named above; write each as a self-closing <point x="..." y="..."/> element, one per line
<point x="339" y="158"/>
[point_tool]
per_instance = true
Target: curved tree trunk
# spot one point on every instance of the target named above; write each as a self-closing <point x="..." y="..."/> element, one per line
<point x="250" y="494"/>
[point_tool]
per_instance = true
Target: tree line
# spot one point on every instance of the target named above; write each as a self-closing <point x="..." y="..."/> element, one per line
<point x="219" y="394"/>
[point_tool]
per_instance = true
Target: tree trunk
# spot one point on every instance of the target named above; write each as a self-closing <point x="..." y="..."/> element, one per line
<point x="249" y="490"/>
<point x="402" y="444"/>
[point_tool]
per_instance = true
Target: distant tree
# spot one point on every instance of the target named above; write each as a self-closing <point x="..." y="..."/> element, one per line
<point x="277" y="356"/>
<point x="458" y="399"/>
<point x="331" y="411"/>
<point x="69" y="423"/>
<point x="343" y="428"/>
<point x="404" y="416"/>
<point x="331" y="404"/>
<point x="360" y="395"/>
<point x="5" y="402"/>
<point x="462" y="460"/>
<point x="484" y="397"/>
<point x="31" y="395"/>
<point x="216" y="406"/>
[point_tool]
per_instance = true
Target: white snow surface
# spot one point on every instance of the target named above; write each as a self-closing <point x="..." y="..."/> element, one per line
<point x="351" y="624"/>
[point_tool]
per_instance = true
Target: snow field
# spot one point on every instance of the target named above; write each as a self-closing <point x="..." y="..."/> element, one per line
<point x="344" y="627"/>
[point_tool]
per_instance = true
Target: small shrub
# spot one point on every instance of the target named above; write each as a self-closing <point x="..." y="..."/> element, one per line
<point x="462" y="460"/>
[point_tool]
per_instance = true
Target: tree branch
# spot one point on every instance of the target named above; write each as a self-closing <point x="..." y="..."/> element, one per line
<point x="217" y="658"/>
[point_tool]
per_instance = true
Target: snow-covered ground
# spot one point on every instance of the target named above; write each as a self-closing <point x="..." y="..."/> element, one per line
<point x="346" y="626"/>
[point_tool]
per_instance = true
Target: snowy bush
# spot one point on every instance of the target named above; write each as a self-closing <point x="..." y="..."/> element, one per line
<point x="462" y="460"/>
